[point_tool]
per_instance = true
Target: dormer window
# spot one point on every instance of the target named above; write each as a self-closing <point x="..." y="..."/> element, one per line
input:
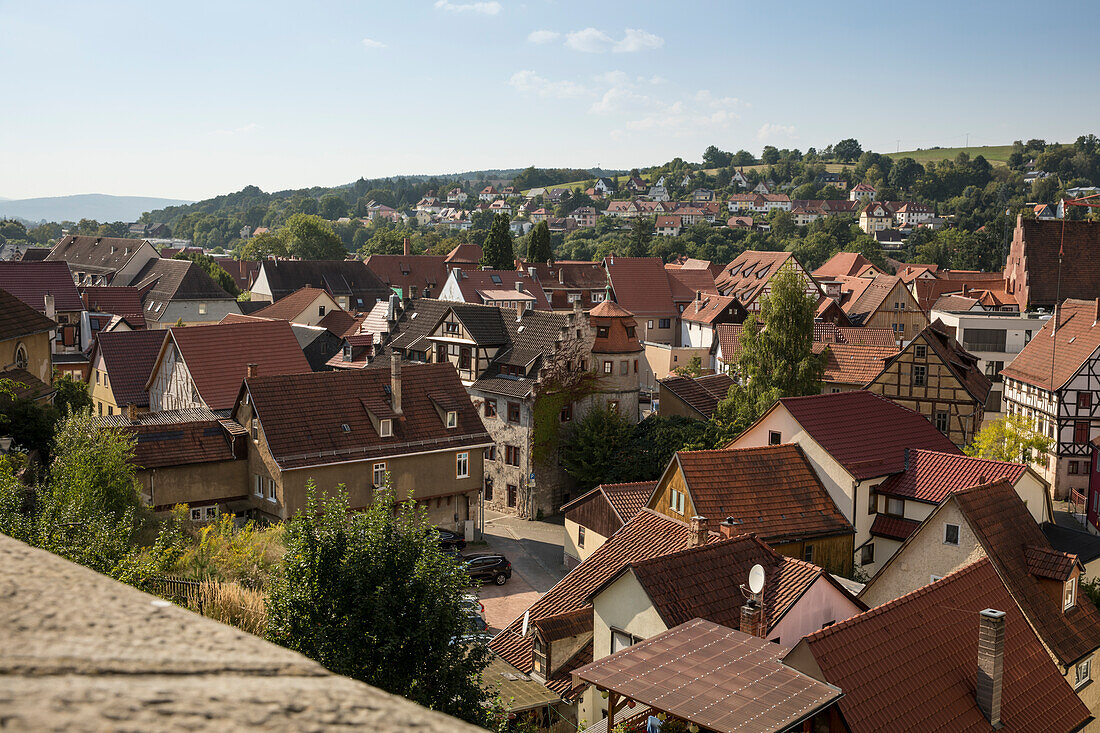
<point x="452" y="419"/>
<point x="1069" y="594"/>
<point x="347" y="351"/>
<point x="602" y="331"/>
<point x="385" y="428"/>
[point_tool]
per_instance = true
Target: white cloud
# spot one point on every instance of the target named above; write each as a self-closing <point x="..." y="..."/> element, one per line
<point x="371" y="43"/>
<point x="529" y="82"/>
<point x="543" y="36"/>
<point x="593" y="40"/>
<point x="484" y="8"/>
<point x="769" y="132"/>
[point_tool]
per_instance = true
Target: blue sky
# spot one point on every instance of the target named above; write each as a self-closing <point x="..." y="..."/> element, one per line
<point x="194" y="99"/>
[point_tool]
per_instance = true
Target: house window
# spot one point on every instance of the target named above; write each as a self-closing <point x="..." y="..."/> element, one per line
<point x="774" y="437"/>
<point x="538" y="657"/>
<point x="513" y="412"/>
<point x="97" y="376"/>
<point x="920" y="351"/>
<point x="650" y="325"/>
<point x="490" y="408"/>
<point x="1084" y="400"/>
<point x="1069" y="595"/>
<point x="665" y="323"/>
<point x="452" y="419"/>
<point x="255" y="425"/>
<point x="635" y="366"/>
<point x="1072" y="468"/>
<point x="630" y="331"/>
<point x="580" y="537"/>
<point x="321" y="310"/>
<point x="872" y="501"/>
<point x="1082" y="674"/>
<point x="598" y="296"/>
<point x="202" y="309"/>
<point x="21" y="359"/>
<point x="941" y="421"/>
<point x="258" y="485"/>
<point x="608" y="367"/>
<point x="574" y="297"/>
<point x="212" y="512"/>
<point x="676" y="501"/>
<point x="512" y="490"/>
<point x="951" y="534"/>
<point x="867" y="554"/>
<point x="511" y="455"/>
<point x="379" y="477"/>
<point x="196" y="514"/>
<point x="920" y="375"/>
<point x="808" y="553"/>
<point x="624" y="368"/>
<point x="602" y="331"/>
<point x="464" y="357"/>
<point x="621" y="640"/>
<point x="488" y="489"/>
<point x="895" y="506"/>
<point x="567" y="413"/>
<point x="271" y="489"/>
<point x="491" y="453"/>
<point x="463" y="466"/>
<point x="1080" y="432"/>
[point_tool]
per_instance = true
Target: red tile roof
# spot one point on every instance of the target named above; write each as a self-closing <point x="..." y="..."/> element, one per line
<point x="243" y="272"/>
<point x="961" y="363"/>
<point x="478" y="286"/>
<point x="702" y="394"/>
<point x="894" y="528"/>
<point x="641" y="285"/>
<point x="932" y="476"/>
<point x="464" y="254"/>
<point x="911" y="664"/>
<point x="771" y="490"/>
<point x="687" y="281"/>
<point x="129" y="357"/>
<point x="1046" y="562"/>
<point x="711" y="307"/>
<point x="729" y="341"/>
<point x="18" y="319"/>
<point x="929" y="291"/>
<point x="426" y="273"/>
<point x="302" y="414"/>
<point x="865" y="433"/>
<point x="749" y="272"/>
<point x="842" y="263"/>
<point x="340" y="322"/>
<point x="860" y="308"/>
<point x="217" y="356"/>
<point x="291" y="306"/>
<point x="628" y="499"/>
<point x="849" y="364"/>
<point x="27" y="386"/>
<point x="124" y="302"/>
<point x="32" y="281"/>
<point x="1078" y="336"/>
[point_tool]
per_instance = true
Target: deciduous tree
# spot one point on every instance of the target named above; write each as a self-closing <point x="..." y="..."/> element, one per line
<point x="1011" y="438"/>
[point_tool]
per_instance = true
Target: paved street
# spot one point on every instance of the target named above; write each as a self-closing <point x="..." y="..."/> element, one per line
<point x="535" y="550"/>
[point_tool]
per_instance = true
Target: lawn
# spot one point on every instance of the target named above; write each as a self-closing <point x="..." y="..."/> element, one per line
<point x="995" y="154"/>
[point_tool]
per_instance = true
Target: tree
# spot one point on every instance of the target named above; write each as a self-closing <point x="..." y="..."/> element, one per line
<point x="640" y="236"/>
<point x="770" y="156"/>
<point x="597" y="448"/>
<point x="92" y="469"/>
<point x="694" y="368"/>
<point x="498" y="251"/>
<point x="715" y="158"/>
<point x="1011" y="438"/>
<point x="265" y="246"/>
<point x="72" y="395"/>
<point x="371" y="596"/>
<point x="332" y="207"/>
<point x="847" y="150"/>
<point x="311" y="238"/>
<point x="539" y="247"/>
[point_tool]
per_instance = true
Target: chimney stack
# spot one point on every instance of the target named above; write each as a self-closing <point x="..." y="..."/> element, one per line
<point x="521" y="306"/>
<point x="728" y="528"/>
<point x="532" y="273"/>
<point x="51" y="308"/>
<point x="697" y="536"/>
<point x="131" y="412"/>
<point x="561" y="275"/>
<point x="253" y="370"/>
<point x="519" y="286"/>
<point x="752" y="618"/>
<point x="406" y="248"/>
<point x="395" y="382"/>
<point x="991" y="653"/>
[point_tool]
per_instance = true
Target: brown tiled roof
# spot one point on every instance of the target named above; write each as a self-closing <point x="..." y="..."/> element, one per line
<point x="19" y="319"/>
<point x="954" y="303"/>
<point x="1000" y="520"/>
<point x="562" y="625"/>
<point x="290" y="307"/>
<point x="622" y="330"/>
<point x="628" y="499"/>
<point x="710" y="307"/>
<point x="243" y="272"/>
<point x="302" y="414"/>
<point x="95" y="253"/>
<point x="423" y="272"/>
<point x="849" y="364"/>
<point x="464" y="254"/>
<point x="865" y="433"/>
<point x="347" y="278"/>
<point x="568" y="275"/>
<point x="929" y="291"/>
<point x="32" y="281"/>
<point x="932" y="476"/>
<point x="1078" y="336"/>
<point x="164" y="280"/>
<point x="842" y="264"/>
<point x="472" y="283"/>
<point x="702" y="394"/>
<point x="961" y="362"/>
<point x="35" y="254"/>
<point x="1046" y="562"/>
<point x="129" y="357"/>
<point x="27" y="386"/>
<point x="1080" y="275"/>
<point x="911" y="664"/>
<point x="159" y="446"/>
<point x="894" y="528"/>
<point x="770" y="490"/>
<point x="689" y="669"/>
<point x="647" y="535"/>
<point x="217" y="356"/>
<point x="729" y="341"/>
<point x="870" y="300"/>
<point x="749" y="272"/>
<point x="340" y="322"/>
<point x="687" y="281"/>
<point x="124" y="302"/>
<point x="641" y="285"/>
<point x="610" y="309"/>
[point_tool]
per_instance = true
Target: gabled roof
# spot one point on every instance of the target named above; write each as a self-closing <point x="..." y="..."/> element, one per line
<point x="866" y="433"/>
<point x="18" y="319"/>
<point x="962" y="364"/>
<point x="177" y="437"/>
<point x="166" y="280"/>
<point x="129" y="357"/>
<point x="686" y="281"/>
<point x="568" y="275"/>
<point x="772" y="491"/>
<point x="1008" y="534"/>
<point x="1077" y="338"/>
<point x="701" y="394"/>
<point x="423" y="272"/>
<point x="217" y="356"/>
<point x="31" y="282"/>
<point x="930" y="476"/>
<point x="929" y="291"/>
<point x="749" y="272"/>
<point x="340" y="322"/>
<point x="852" y="364"/>
<point x="625" y="500"/>
<point x="291" y="306"/>
<point x="861" y="307"/>
<point x="641" y="285"/>
<point x="25" y="385"/>
<point x="911" y="664"/>
<point x="473" y="283"/>
<point x="464" y="254"/>
<point x="341" y="278"/>
<point x="842" y="264"/>
<point x="1042" y="240"/>
<point x="302" y="414"/>
<point x="124" y="302"/>
<point x="243" y="272"/>
<point x="710" y="307"/>
<point x="97" y="254"/>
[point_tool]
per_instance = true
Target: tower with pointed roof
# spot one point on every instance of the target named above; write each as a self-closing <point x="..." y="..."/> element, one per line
<point x="617" y="355"/>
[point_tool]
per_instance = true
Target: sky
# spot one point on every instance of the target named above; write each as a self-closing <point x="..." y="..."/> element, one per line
<point x="190" y="100"/>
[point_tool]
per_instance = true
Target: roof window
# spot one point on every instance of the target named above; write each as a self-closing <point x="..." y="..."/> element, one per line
<point x="345" y="427"/>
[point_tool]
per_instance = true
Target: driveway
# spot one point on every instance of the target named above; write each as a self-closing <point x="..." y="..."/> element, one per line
<point x="535" y="549"/>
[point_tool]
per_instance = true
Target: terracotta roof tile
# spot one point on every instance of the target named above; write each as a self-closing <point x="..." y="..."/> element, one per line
<point x="341" y="278"/>
<point x="771" y="490"/>
<point x="32" y="281"/>
<point x="464" y="254"/>
<point x="426" y="273"/>
<point x="99" y="254"/>
<point x="562" y="625"/>
<point x="500" y="285"/>
<point x="866" y="433"/>
<point x="19" y="319"/>
<point x="961" y="362"/>
<point x="911" y="664"/>
<point x="628" y="499"/>
<point x="894" y="528"/>
<point x="129" y="357"/>
<point x="842" y="264"/>
<point x="641" y="285"/>
<point x="749" y="272"/>
<point x="702" y="394"/>
<point x="340" y="322"/>
<point x="687" y="281"/>
<point x="291" y="306"/>
<point x="1078" y="336"/>
<point x="1046" y="562"/>
<point x="124" y="302"/>
<point x="933" y="475"/>
<point x="711" y="307"/>
<point x="858" y="365"/>
<point x="25" y="385"/>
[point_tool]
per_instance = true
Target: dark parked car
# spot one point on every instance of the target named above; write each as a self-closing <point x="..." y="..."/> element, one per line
<point x="488" y="566"/>
<point x="448" y="539"/>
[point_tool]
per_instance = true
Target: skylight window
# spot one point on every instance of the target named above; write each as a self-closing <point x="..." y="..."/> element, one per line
<point x="496" y="279"/>
<point x="345" y="427"/>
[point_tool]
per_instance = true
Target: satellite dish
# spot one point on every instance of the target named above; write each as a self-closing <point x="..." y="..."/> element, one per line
<point x="527" y="613"/>
<point x="756" y="579"/>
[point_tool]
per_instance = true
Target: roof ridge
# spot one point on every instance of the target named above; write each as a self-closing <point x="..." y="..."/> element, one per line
<point x="719" y="542"/>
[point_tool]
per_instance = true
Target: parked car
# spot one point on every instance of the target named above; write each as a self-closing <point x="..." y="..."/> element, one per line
<point x="488" y="566"/>
<point x="447" y="538"/>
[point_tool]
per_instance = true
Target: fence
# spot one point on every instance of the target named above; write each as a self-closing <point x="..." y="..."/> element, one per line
<point x="179" y="590"/>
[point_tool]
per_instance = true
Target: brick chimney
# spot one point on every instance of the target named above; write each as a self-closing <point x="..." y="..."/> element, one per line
<point x="406" y="247"/>
<point x="395" y="382"/>
<point x="752" y="618"/>
<point x="253" y="371"/>
<point x="521" y="306"/>
<point x="697" y="535"/>
<point x="729" y="528"/>
<point x="991" y="653"/>
<point x="131" y="412"/>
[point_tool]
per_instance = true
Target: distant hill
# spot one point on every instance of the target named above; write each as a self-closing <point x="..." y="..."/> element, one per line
<point x="98" y="206"/>
<point x="995" y="154"/>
